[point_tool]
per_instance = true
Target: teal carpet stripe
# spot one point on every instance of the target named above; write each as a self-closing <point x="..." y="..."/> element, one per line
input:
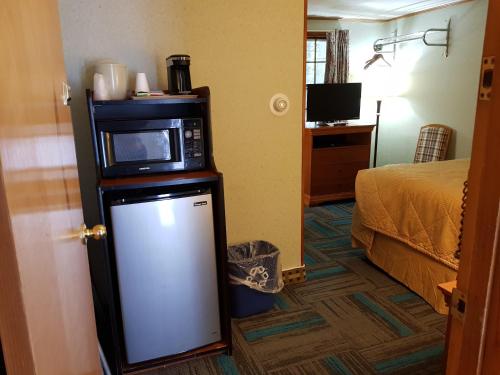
<point x="403" y="330"/>
<point x="313" y="225"/>
<point x="338" y="210"/>
<point x="319" y="274"/>
<point x="342" y="222"/>
<point x="308" y="260"/>
<point x="343" y="242"/>
<point x="252" y="336"/>
<point x="336" y="364"/>
<point x="350" y="253"/>
<point x="410" y="359"/>
<point x="227" y="365"/>
<point x="332" y="244"/>
<point x="280" y="302"/>
<point x="402" y="297"/>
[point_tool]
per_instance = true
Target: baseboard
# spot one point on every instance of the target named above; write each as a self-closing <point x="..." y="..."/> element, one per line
<point x="294" y="275"/>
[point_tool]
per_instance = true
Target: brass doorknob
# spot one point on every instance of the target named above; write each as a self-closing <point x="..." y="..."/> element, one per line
<point x="97" y="232"/>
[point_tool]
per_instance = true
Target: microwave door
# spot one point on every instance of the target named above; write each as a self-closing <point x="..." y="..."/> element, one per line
<point x="127" y="153"/>
<point x="150" y="146"/>
<point x="139" y="147"/>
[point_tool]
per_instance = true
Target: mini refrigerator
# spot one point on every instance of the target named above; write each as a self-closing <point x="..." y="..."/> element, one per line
<point x="166" y="269"/>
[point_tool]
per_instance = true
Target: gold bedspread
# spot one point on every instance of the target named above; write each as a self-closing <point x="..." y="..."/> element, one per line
<point x="417" y="204"/>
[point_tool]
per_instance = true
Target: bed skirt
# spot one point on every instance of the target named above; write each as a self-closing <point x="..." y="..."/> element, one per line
<point x="417" y="271"/>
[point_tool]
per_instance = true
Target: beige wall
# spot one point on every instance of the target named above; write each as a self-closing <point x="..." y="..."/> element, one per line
<point x="245" y="51"/>
<point x="423" y="85"/>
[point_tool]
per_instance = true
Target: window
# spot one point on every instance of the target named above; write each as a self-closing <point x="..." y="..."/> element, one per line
<point x="316" y="58"/>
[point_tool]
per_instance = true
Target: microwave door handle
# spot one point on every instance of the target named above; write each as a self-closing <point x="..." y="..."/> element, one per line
<point x="106" y="150"/>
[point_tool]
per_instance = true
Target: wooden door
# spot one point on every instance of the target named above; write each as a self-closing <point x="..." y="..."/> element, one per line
<point x="474" y="346"/>
<point x="46" y="314"/>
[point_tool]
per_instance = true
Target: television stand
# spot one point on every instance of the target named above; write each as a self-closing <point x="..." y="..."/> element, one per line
<point x="333" y="155"/>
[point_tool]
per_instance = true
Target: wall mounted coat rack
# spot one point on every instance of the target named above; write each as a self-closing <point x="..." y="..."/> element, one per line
<point x="379" y="44"/>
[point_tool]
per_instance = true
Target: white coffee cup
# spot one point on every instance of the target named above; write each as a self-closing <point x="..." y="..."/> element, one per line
<point x="141" y="83"/>
<point x="100" y="89"/>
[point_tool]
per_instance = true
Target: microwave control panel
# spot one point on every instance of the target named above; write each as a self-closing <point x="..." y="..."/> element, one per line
<point x="193" y="143"/>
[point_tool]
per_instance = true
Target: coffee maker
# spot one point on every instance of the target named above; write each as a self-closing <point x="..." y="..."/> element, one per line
<point x="179" y="79"/>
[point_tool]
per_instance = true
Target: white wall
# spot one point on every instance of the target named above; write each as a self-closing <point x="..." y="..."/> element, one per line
<point x="234" y="53"/>
<point x="423" y="85"/>
<point x="440" y="89"/>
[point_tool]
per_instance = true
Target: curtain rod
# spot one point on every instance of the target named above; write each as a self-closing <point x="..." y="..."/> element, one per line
<point x="379" y="44"/>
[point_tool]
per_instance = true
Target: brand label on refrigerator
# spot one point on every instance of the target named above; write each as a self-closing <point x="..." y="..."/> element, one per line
<point x="200" y="203"/>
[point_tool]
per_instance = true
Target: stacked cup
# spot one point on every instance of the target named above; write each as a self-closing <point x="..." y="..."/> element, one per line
<point x="141" y="84"/>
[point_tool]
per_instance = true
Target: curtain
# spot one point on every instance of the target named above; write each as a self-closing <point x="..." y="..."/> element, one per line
<point x="337" y="56"/>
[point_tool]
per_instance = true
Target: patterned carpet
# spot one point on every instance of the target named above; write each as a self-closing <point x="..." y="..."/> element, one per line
<point x="347" y="318"/>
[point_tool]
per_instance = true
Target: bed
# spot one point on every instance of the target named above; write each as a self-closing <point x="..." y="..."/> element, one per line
<point x="407" y="217"/>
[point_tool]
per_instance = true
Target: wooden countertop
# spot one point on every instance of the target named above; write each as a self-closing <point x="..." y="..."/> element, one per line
<point x="158" y="180"/>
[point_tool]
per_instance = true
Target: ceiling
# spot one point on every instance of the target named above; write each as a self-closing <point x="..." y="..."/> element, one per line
<point x="371" y="9"/>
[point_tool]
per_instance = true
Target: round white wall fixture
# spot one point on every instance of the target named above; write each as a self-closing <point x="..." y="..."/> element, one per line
<point x="279" y="104"/>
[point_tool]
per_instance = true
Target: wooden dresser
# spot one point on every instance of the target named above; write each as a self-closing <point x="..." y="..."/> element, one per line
<point x="333" y="155"/>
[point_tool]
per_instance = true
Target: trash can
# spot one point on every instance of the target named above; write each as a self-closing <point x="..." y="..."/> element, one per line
<point x="254" y="277"/>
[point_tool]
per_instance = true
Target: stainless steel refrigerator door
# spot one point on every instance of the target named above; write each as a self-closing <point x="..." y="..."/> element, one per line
<point x="165" y="256"/>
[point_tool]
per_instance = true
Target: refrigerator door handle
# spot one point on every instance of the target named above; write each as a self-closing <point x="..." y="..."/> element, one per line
<point x="157" y="197"/>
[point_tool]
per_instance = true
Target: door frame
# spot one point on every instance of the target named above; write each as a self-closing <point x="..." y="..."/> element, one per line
<point x="304" y="172"/>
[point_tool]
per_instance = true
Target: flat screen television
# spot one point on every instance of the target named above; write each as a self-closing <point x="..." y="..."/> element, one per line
<point x="330" y="102"/>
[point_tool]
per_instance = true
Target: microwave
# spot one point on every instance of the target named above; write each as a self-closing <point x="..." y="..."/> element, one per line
<point x="136" y="147"/>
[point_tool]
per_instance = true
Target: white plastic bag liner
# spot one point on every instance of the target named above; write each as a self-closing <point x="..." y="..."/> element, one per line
<point x="255" y="264"/>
